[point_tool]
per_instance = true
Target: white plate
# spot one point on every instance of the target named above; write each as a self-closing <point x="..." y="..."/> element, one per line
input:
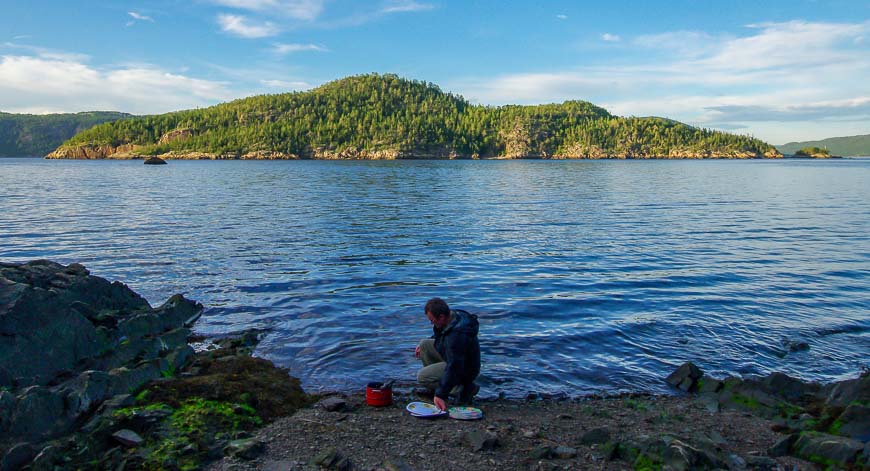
<point x="466" y="413"/>
<point x="423" y="409"/>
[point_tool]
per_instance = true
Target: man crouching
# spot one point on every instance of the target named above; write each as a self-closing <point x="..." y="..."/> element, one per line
<point x="451" y="357"/>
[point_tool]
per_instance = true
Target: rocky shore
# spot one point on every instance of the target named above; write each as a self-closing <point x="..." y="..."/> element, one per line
<point x="93" y="377"/>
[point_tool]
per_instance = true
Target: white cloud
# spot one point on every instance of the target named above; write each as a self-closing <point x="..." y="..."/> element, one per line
<point x="307" y="10"/>
<point x="788" y="73"/>
<point x="280" y="48"/>
<point x="400" y="6"/>
<point x="793" y="44"/>
<point x="562" y="17"/>
<point x="140" y="17"/>
<point x="831" y="109"/>
<point x="55" y="83"/>
<point x="286" y="84"/>
<point x="610" y="37"/>
<point x="682" y="43"/>
<point x="241" y="26"/>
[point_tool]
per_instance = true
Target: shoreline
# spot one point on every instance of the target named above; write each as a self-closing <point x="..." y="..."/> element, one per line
<point x="123" y="388"/>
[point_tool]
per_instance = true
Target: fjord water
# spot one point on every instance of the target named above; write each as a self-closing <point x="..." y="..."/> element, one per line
<point x="587" y="276"/>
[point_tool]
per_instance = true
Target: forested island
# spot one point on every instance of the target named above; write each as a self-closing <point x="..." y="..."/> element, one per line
<point x="847" y="145"/>
<point x="31" y="135"/>
<point x="388" y="117"/>
<point x="813" y="152"/>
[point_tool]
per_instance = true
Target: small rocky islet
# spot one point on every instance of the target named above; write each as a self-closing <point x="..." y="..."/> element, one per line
<point x="118" y="385"/>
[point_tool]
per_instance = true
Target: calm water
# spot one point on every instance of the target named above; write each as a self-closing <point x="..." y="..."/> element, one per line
<point x="587" y="276"/>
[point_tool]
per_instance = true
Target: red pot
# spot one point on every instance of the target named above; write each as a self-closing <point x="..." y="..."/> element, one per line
<point x="379" y="396"/>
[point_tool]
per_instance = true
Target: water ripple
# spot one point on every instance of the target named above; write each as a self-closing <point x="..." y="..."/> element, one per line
<point x="587" y="276"/>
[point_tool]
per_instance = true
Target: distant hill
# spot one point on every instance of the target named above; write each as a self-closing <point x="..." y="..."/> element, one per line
<point x="26" y="135"/>
<point x="842" y="146"/>
<point x="387" y="117"/>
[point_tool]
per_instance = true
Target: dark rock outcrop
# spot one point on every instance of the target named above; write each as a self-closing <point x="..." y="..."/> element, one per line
<point x="154" y="160"/>
<point x="93" y="340"/>
<point x="685" y="377"/>
<point x="827" y="449"/>
<point x="828" y="424"/>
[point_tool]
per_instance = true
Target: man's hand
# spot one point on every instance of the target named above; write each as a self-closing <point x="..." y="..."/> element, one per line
<point x="440" y="404"/>
<point x="417" y="352"/>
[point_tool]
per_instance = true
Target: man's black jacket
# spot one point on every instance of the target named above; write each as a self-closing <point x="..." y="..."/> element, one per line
<point x="457" y="344"/>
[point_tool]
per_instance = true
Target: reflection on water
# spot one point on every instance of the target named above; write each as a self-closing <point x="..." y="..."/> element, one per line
<point x="586" y="275"/>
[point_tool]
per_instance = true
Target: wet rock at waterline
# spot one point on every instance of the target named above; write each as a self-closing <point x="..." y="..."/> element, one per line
<point x="154" y="160"/>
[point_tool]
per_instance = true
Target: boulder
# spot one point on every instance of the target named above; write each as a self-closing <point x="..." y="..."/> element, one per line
<point x="542" y="453"/>
<point x="127" y="437"/>
<point x="246" y="449"/>
<point x="87" y="391"/>
<point x="333" y="404"/>
<point x="824" y="449"/>
<point x="154" y="160"/>
<point x="17" y="456"/>
<point x="47" y="459"/>
<point x="685" y="377"/>
<point x="787" y="388"/>
<point x="595" y="436"/>
<point x="682" y="456"/>
<point x="709" y="385"/>
<point x="854" y="422"/>
<point x="39" y="320"/>
<point x="332" y="459"/>
<point x="783" y="446"/>
<point x="479" y="440"/>
<point x="39" y="412"/>
<point x="843" y="393"/>
<point x="94" y="338"/>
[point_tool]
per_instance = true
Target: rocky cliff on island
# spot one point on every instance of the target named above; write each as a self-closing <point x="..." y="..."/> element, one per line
<point x="93" y="377"/>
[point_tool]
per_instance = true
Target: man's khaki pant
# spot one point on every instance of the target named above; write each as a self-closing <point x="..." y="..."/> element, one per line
<point x="433" y="367"/>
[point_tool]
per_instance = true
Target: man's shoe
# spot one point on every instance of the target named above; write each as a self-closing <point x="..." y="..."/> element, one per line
<point x="468" y="396"/>
<point x="424" y="393"/>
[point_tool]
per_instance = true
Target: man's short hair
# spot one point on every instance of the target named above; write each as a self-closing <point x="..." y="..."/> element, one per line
<point x="437" y="307"/>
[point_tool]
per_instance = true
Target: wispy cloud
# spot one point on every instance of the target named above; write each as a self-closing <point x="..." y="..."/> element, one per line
<point x="283" y="84"/>
<point x="47" y="53"/>
<point x="41" y="83"/>
<point x="858" y="107"/>
<point x="610" y="37"/>
<point x="401" y="6"/>
<point x="562" y="17"/>
<point x="241" y="26"/>
<point x="777" y="72"/>
<point x="139" y="16"/>
<point x="307" y="10"/>
<point x="687" y="44"/>
<point x="280" y="48"/>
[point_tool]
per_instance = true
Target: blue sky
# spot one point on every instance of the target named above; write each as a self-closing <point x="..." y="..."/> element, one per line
<point x="779" y="70"/>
